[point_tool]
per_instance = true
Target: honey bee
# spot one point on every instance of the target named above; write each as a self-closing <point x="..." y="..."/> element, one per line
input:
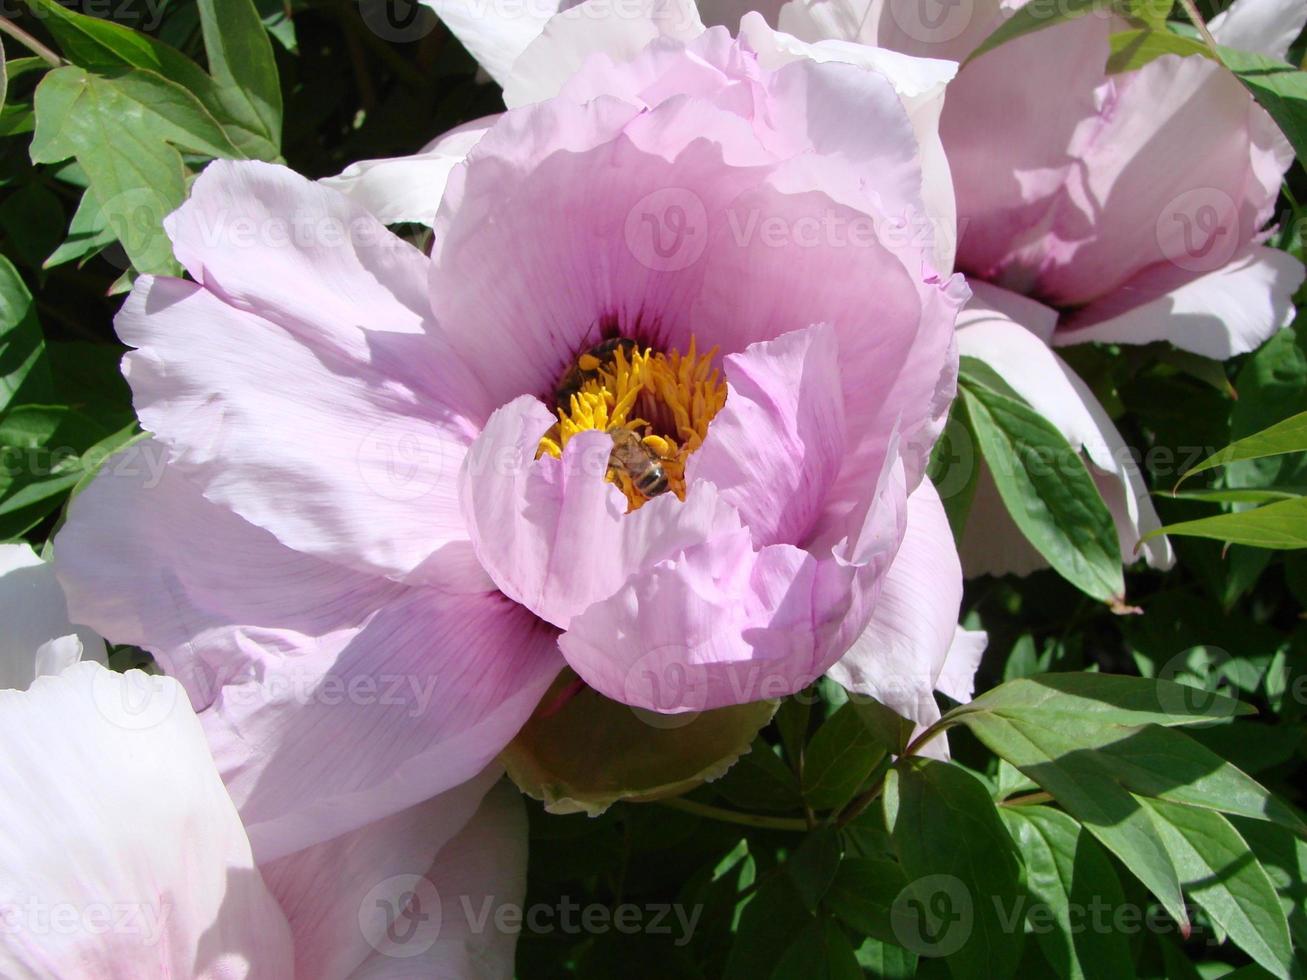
<point x="638" y="461"/>
<point x="587" y="366"/>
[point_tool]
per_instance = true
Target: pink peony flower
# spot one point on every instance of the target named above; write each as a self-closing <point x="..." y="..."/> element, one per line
<point x="1079" y="216"/>
<point x="657" y="407"/>
<point x="1124" y="208"/>
<point x="123" y="855"/>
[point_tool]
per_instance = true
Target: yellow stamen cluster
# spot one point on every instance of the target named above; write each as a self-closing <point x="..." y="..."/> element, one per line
<point x="666" y="399"/>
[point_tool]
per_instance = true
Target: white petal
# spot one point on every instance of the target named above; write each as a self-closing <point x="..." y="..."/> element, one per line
<point x="479" y="876"/>
<point x="408" y="189"/>
<point x="618" y="30"/>
<point x="122" y="855"/>
<point x="33" y="613"/>
<point x="1218" y="315"/>
<point x="495" y="32"/>
<point x="987" y="331"/>
<point x="1264" y="26"/>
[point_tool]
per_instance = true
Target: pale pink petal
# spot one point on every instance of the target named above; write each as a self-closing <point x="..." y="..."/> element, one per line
<point x="1009" y="121"/>
<point x="1265" y="26"/>
<point x="554" y="534"/>
<point x="721" y="623"/>
<point x="1182" y="167"/>
<point x="337" y="894"/>
<point x="301" y="255"/>
<point x="122" y="856"/>
<point x="925" y="28"/>
<point x="919" y="83"/>
<point x="1218" y="315"/>
<point x="899" y="657"/>
<point x="136" y="557"/>
<point x="987" y="331"/>
<point x="337" y="457"/>
<point x="480" y="878"/>
<point x="35" y="614"/>
<point x="496" y="33"/>
<point x="776" y="446"/>
<point x="409" y="188"/>
<point x="359" y="726"/>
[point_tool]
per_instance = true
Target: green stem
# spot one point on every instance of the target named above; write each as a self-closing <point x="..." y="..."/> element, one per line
<point x="735" y="816"/>
<point x="1201" y="25"/>
<point x="7" y="26"/>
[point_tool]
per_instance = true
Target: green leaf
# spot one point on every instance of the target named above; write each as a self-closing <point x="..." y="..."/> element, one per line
<point x="891" y="730"/>
<point x="1284" y="856"/>
<point x="1065" y="869"/>
<point x="1240" y="495"/>
<point x="1048" y="491"/>
<point x="102" y="46"/>
<point x="24" y="372"/>
<point x="760" y="781"/>
<point x="88" y="234"/>
<point x="1134" y="49"/>
<point x="1281" y="526"/>
<point x="820" y="952"/>
<point x="863" y="894"/>
<point x="241" y="61"/>
<point x="812" y="867"/>
<point x="961" y="866"/>
<point x="1287" y="436"/>
<point x="1035" y="17"/>
<point x="886" y="960"/>
<point x="838" y="759"/>
<point x="1279" y="88"/>
<point x="1225" y="878"/>
<point x="4" y="77"/>
<point x="1087" y="789"/>
<point x="121" y="131"/>
<point x="1105" y="699"/>
<point x="773" y="918"/>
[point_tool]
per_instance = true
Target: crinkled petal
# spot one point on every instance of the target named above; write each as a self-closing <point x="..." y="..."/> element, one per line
<point x="409" y="188"/>
<point x="341" y="895"/>
<point x="337" y="457"/>
<point x="122" y="855"/>
<point x="362" y="725"/>
<point x="1265" y="26"/>
<point x="987" y="331"/>
<point x="480" y="878"/>
<point x="721" y="623"/>
<point x="34" y="639"/>
<point x="777" y="444"/>
<point x="1218" y="315"/>
<point x="553" y="533"/>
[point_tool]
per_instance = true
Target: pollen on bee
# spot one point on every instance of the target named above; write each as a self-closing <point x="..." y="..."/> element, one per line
<point x="664" y="400"/>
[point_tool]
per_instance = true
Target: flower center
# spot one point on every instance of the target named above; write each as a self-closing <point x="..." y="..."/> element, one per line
<point x="655" y="405"/>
